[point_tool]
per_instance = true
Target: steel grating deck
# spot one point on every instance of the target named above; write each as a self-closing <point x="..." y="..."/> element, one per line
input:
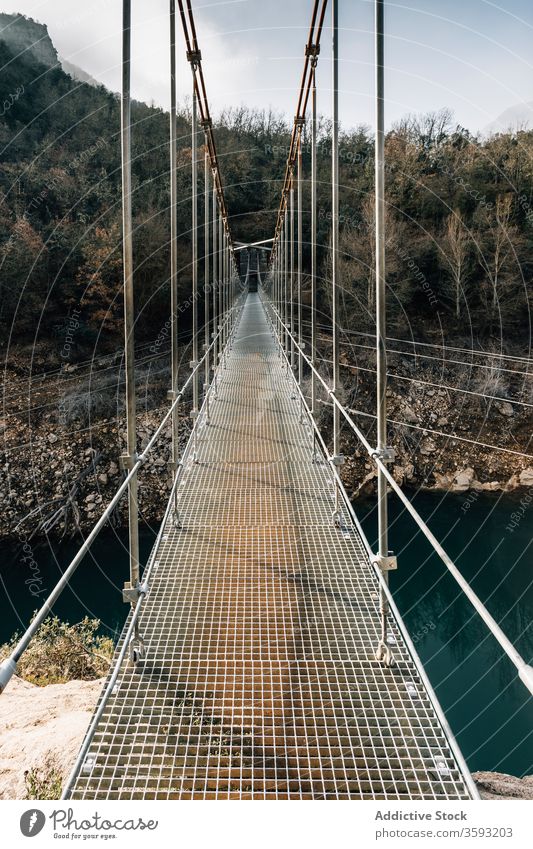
<point x="260" y="625"/>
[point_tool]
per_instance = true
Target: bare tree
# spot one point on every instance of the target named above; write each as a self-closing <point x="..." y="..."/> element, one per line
<point x="425" y="131"/>
<point x="367" y="233"/>
<point x="456" y="241"/>
<point x="497" y="247"/>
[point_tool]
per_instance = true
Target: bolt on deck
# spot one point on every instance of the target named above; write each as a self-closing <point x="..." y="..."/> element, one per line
<point x="262" y="619"/>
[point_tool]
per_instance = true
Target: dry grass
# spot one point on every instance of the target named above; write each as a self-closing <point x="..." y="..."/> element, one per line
<point x="44" y="781"/>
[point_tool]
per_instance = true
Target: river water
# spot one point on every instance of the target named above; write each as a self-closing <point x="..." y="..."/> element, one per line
<point x="489" y="710"/>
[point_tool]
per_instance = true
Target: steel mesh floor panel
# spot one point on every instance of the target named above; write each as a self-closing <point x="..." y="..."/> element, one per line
<point x="262" y="619"/>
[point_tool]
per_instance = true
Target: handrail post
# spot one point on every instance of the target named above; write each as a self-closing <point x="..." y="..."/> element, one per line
<point x="194" y="199"/>
<point x="286" y="277"/>
<point x="313" y="236"/>
<point x="280" y="280"/>
<point x="384" y="559"/>
<point x="220" y="284"/>
<point x="279" y="250"/>
<point x="299" y="271"/>
<point x="225" y="296"/>
<point x="129" y="459"/>
<point x="207" y="290"/>
<point x="174" y="356"/>
<point x="281" y="244"/>
<point x="292" y="262"/>
<point x="215" y="276"/>
<point x="283" y="321"/>
<point x="225" y="290"/>
<point x="335" y="244"/>
<point x="278" y="283"/>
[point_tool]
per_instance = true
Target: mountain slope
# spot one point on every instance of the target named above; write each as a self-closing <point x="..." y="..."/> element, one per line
<point x="518" y="117"/>
<point x="78" y="73"/>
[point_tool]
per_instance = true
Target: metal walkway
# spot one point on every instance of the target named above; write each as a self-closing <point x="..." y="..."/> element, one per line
<point x="260" y="625"/>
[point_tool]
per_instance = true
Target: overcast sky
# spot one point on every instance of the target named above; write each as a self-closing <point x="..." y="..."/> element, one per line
<point x="474" y="56"/>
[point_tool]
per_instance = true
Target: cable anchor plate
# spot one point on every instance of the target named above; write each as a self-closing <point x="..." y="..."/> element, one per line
<point x="132" y="594"/>
<point x="385" y="455"/>
<point x="126" y="462"/>
<point x="386" y="564"/>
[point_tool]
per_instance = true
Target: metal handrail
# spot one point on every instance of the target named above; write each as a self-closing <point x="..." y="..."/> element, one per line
<point x="8" y="667"/>
<point x="454" y="746"/>
<point x="104" y="698"/>
<point x="525" y="670"/>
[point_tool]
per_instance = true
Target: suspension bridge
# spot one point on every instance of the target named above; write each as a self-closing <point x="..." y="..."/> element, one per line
<point x="263" y="655"/>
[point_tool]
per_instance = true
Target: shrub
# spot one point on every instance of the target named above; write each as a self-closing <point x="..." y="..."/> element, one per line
<point x="62" y="652"/>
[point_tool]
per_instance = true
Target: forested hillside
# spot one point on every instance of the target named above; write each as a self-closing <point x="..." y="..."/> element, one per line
<point x="459" y="257"/>
<point x="460" y="213"/>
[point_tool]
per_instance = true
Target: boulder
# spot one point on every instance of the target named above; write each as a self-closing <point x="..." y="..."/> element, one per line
<point x="512" y="484"/>
<point x="463" y="480"/>
<point x="442" y="481"/>
<point x="410" y="415"/>
<point x="398" y="474"/>
<point x="428" y="446"/>
<point x="499" y="785"/>
<point x="40" y="724"/>
<point x="526" y="477"/>
<point x="505" y="408"/>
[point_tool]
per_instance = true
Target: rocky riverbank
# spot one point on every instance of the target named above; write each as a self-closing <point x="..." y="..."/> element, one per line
<point x="57" y="469"/>
<point x="440" y="446"/>
<point x="499" y="785"/>
<point x="44" y="470"/>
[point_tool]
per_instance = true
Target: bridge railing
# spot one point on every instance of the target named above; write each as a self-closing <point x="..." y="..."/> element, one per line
<point x="386" y="594"/>
<point x="284" y="299"/>
<point x="84" y="756"/>
<point x="283" y="332"/>
<point x="226" y="302"/>
<point x="9" y="666"/>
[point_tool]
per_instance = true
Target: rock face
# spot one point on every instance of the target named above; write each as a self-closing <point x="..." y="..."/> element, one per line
<point x="25" y="35"/>
<point x="40" y="723"/>
<point x="499" y="785"/>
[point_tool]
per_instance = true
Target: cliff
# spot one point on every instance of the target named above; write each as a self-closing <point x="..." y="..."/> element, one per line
<point x="24" y="35"/>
